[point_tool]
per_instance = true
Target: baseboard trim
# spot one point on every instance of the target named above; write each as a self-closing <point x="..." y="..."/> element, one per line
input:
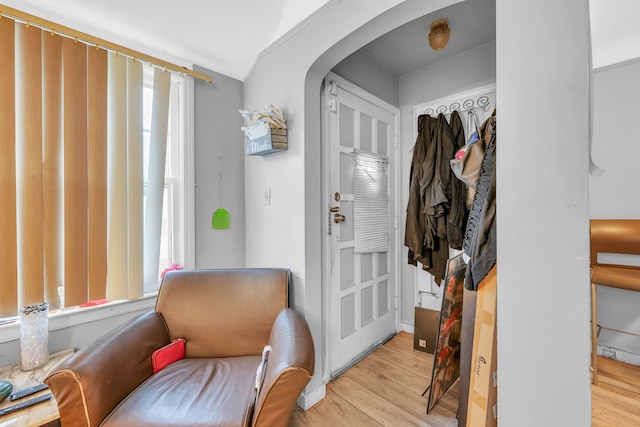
<point x="619" y="354"/>
<point x="408" y="327"/>
<point x="308" y="399"/>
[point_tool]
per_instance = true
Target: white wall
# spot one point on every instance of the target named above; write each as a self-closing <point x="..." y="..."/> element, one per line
<point x="534" y="74"/>
<point x="616" y="149"/>
<point x="362" y="70"/>
<point x="468" y="70"/>
<point x="542" y="213"/>
<point x="217" y="133"/>
<point x="289" y="75"/>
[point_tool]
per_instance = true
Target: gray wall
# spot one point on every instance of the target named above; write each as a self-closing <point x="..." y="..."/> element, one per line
<point x="542" y="93"/>
<point x="468" y="70"/>
<point x="362" y="70"/>
<point x="615" y="195"/>
<point x="217" y="133"/>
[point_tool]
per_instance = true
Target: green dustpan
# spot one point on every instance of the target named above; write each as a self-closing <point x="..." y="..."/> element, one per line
<point x="220" y="220"/>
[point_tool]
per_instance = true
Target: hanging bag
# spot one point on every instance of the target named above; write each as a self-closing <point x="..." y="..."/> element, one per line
<point x="467" y="160"/>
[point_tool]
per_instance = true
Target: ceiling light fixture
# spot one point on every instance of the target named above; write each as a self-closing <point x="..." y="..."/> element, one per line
<point x="440" y="33"/>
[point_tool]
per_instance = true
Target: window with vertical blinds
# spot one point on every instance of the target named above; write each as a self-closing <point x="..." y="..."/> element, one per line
<point x="81" y="220"/>
<point x="370" y="203"/>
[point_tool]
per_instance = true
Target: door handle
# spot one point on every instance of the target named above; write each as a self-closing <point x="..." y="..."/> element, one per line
<point x="339" y="218"/>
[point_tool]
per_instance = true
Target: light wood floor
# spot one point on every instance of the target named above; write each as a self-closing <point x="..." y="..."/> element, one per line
<point x="385" y="389"/>
<point x="615" y="401"/>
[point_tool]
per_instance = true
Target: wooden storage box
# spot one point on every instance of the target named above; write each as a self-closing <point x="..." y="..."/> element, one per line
<point x="426" y="327"/>
<point x="260" y="139"/>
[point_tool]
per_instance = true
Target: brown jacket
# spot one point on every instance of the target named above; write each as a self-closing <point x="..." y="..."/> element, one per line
<point x="436" y="212"/>
<point x="416" y="221"/>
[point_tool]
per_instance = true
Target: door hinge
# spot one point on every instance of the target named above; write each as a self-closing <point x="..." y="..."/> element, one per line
<point x="395" y="141"/>
<point x="333" y="106"/>
<point x="333" y="88"/>
<point x="395" y="303"/>
<point x="395" y="222"/>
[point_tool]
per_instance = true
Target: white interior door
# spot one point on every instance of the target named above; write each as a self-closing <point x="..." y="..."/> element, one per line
<point x="362" y="221"/>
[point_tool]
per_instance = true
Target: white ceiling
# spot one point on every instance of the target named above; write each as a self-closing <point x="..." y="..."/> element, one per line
<point x="406" y="49"/>
<point x="615" y="33"/>
<point x="227" y="36"/>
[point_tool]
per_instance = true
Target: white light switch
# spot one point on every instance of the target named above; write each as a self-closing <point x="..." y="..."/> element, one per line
<point x="267" y="197"/>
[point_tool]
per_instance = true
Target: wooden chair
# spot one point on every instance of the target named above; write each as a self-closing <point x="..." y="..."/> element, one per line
<point x="616" y="236"/>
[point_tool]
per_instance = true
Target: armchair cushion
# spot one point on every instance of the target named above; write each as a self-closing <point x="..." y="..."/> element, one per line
<point x="223" y="313"/>
<point x="194" y="392"/>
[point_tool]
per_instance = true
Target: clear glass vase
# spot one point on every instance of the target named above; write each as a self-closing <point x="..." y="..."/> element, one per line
<point x="34" y="336"/>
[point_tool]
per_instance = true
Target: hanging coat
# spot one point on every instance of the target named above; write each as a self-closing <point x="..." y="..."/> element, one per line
<point x="436" y="192"/>
<point x="459" y="212"/>
<point x="436" y="211"/>
<point x="415" y="228"/>
<point x="480" y="234"/>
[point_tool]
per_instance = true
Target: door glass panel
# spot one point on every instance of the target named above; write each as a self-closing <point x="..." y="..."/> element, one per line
<point x="382" y="263"/>
<point x="382" y="137"/>
<point x="346" y="173"/>
<point x="348" y="315"/>
<point x="371" y="203"/>
<point x="366" y="133"/>
<point x="347" y="125"/>
<point x="366" y="267"/>
<point x="346" y="227"/>
<point x="366" y="302"/>
<point x="383" y="297"/>
<point x="346" y="268"/>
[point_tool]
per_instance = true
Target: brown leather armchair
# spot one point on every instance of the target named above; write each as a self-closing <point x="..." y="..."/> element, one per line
<point x="227" y="317"/>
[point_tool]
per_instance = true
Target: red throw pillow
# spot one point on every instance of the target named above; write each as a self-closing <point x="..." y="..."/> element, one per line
<point x="168" y="354"/>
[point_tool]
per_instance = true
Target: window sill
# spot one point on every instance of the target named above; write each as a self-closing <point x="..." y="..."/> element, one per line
<point x="76" y="316"/>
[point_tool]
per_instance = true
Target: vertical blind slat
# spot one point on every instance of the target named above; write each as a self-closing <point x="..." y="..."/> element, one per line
<point x="97" y="174"/>
<point x="117" y="274"/>
<point x="8" y="254"/>
<point x="52" y="168"/>
<point x="75" y="172"/>
<point x="29" y="164"/>
<point x="155" y="180"/>
<point x="135" y="181"/>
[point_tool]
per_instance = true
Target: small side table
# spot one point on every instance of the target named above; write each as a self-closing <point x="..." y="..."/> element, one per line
<point x="41" y="414"/>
